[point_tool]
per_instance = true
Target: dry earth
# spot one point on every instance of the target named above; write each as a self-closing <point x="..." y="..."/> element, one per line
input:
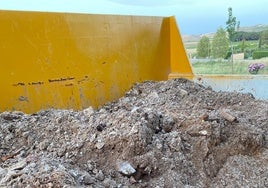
<point x="160" y="134"/>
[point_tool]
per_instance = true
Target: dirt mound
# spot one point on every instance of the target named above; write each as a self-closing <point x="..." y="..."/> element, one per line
<point x="160" y="134"/>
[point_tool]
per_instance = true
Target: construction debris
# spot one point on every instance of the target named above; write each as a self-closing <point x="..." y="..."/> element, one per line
<point x="172" y="133"/>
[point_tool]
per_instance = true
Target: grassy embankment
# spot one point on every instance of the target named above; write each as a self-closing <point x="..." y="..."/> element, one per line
<point x="220" y="67"/>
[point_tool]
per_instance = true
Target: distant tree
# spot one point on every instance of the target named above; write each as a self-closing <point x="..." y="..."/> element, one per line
<point x="263" y="41"/>
<point x="260" y="42"/>
<point x="231" y="24"/>
<point x="203" y="47"/>
<point x="220" y="44"/>
<point x="238" y="26"/>
<point x="243" y="45"/>
<point x="230" y="27"/>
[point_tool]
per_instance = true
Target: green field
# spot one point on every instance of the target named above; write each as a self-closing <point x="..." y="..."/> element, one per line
<point x="221" y="67"/>
<point x="252" y="44"/>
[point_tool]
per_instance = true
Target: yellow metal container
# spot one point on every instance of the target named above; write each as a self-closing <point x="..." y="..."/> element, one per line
<point x="64" y="60"/>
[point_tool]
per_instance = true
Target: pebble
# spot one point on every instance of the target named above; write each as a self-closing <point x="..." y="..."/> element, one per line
<point x="126" y="168"/>
<point x="88" y="111"/>
<point x="109" y="183"/>
<point x="203" y="132"/>
<point x="99" y="145"/>
<point x="88" y="180"/>
<point x="100" y="176"/>
<point x="183" y="92"/>
<point x="90" y="165"/>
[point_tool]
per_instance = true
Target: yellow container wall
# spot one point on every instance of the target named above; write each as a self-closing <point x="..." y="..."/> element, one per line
<point x="60" y="60"/>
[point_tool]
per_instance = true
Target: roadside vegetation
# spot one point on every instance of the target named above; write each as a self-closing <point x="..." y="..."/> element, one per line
<point x="225" y="67"/>
<point x="230" y="50"/>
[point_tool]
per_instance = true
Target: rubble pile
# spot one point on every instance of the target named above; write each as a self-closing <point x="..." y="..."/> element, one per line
<point x="173" y="133"/>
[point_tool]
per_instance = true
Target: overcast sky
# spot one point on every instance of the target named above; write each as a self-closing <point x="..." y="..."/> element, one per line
<point x="193" y="16"/>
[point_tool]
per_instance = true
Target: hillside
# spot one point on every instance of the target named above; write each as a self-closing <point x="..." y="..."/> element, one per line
<point x="255" y="28"/>
<point x="190" y="39"/>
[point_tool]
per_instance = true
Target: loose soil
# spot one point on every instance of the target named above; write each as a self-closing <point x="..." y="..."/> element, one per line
<point x="172" y="133"/>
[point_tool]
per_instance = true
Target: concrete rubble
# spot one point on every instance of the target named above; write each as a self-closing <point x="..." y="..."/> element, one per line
<point x="173" y="133"/>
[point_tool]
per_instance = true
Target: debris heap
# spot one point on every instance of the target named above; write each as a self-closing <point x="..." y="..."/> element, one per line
<point x="173" y="133"/>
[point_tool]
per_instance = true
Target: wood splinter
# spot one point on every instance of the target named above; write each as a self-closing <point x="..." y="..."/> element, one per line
<point x="227" y="116"/>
